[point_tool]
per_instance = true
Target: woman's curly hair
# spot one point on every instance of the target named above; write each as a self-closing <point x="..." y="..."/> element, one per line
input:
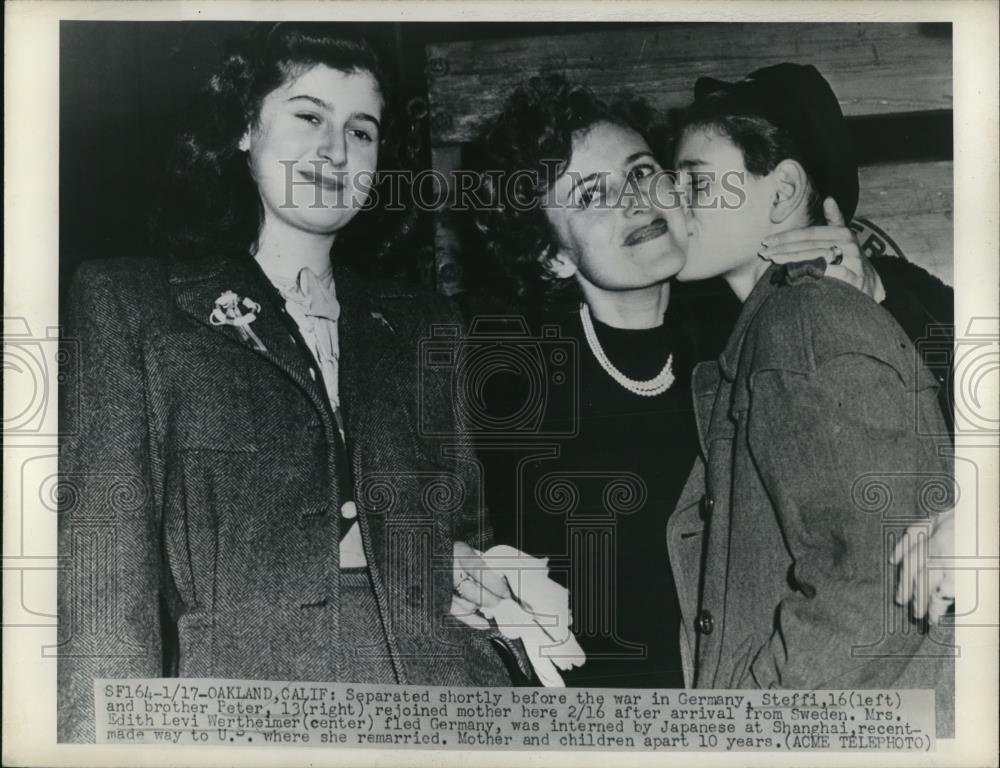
<point x="524" y="150"/>
<point x="209" y="205"/>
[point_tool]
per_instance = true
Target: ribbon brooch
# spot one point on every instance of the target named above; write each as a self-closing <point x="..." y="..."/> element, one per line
<point x="228" y="311"/>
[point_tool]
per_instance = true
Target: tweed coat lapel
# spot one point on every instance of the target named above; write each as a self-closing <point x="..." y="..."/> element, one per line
<point x="369" y="342"/>
<point x="711" y="395"/>
<point x="716" y="387"/>
<point x="197" y="284"/>
<point x="372" y="343"/>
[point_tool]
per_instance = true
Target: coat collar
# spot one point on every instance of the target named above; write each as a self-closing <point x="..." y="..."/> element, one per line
<point x="367" y="335"/>
<point x="766" y="285"/>
<point x="709" y="375"/>
<point x="373" y="333"/>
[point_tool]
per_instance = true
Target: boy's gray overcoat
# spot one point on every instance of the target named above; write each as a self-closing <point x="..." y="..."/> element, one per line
<point x="822" y="440"/>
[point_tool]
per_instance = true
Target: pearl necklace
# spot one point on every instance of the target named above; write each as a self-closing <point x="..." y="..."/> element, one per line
<point x="654" y="386"/>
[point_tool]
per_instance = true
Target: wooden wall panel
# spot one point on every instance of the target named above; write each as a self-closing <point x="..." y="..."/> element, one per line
<point x="912" y="204"/>
<point x="874" y="68"/>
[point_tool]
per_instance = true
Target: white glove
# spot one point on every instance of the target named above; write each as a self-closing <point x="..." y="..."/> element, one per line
<point x="537" y="612"/>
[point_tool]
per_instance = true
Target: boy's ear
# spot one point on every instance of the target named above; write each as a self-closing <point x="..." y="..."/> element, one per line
<point x="791" y="190"/>
<point x="560" y="264"/>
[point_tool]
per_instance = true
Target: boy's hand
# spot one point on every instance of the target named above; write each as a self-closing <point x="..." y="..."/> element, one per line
<point x="835" y="242"/>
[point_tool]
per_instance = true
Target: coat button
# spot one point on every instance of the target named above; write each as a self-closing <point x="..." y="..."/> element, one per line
<point x="349" y="511"/>
<point x="706" y="506"/>
<point x="705" y="622"/>
<point x="414" y="596"/>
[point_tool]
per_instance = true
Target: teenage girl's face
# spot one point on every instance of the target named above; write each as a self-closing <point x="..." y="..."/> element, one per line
<point x="616" y="213"/>
<point x="314" y="149"/>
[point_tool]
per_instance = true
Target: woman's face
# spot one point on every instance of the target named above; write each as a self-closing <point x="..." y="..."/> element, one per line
<point x="314" y="149"/>
<point x="616" y="213"/>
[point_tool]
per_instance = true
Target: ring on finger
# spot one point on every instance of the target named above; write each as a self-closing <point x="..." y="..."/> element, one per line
<point x="838" y="254"/>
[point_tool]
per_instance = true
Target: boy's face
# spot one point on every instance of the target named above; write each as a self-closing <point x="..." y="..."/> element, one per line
<point x="725" y="227"/>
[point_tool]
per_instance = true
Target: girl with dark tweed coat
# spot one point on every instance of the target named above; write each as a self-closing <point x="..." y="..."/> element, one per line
<point x="246" y="493"/>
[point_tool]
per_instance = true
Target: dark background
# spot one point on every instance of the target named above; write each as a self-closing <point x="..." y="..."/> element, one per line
<point x="124" y="87"/>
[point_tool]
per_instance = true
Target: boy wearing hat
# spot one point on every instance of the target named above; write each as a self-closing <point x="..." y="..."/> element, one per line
<point x="813" y="421"/>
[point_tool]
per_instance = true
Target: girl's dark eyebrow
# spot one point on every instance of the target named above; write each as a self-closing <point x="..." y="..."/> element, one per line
<point x="324" y="105"/>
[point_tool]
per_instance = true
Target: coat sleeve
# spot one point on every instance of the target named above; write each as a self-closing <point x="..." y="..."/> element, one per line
<point x="844" y="457"/>
<point x="108" y="582"/>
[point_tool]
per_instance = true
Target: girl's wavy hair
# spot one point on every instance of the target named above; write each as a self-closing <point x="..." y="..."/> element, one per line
<point x="523" y="151"/>
<point x="208" y="203"/>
